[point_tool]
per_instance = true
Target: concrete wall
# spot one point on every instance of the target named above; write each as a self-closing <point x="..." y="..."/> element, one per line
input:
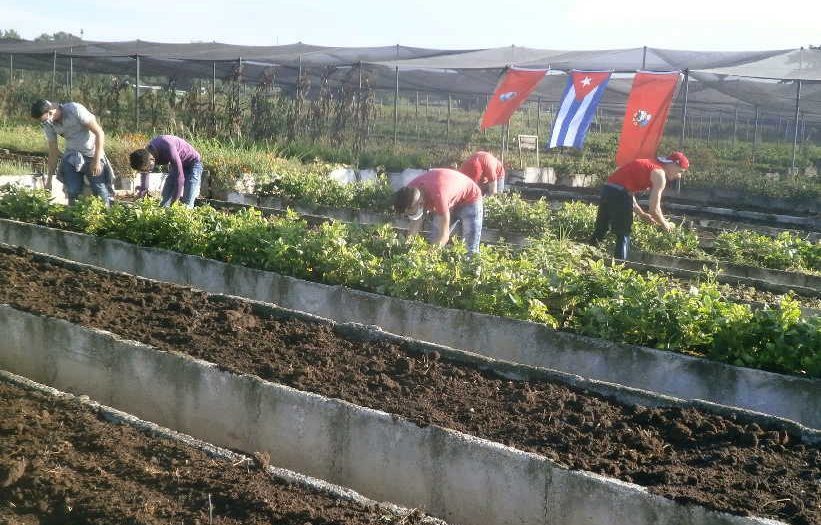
<point x="457" y="477"/>
<point x="791" y="397"/>
<point x="278" y="474"/>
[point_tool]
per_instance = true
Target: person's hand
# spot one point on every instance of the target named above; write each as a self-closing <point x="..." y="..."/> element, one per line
<point x="96" y="167"/>
<point x="646" y="217"/>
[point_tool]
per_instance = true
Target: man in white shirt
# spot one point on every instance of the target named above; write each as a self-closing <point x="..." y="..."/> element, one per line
<point x="84" y="154"/>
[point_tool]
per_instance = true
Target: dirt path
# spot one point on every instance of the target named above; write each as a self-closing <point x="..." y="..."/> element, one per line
<point x="61" y="463"/>
<point x="686" y="455"/>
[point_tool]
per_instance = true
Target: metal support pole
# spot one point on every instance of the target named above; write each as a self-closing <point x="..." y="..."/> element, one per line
<point x="644" y="57"/>
<point x="54" y="75"/>
<point x="396" y="109"/>
<point x="416" y="116"/>
<point x="213" y="86"/>
<point x="70" y="72"/>
<point x="684" y="109"/>
<point x="795" y="120"/>
<point x="538" y="116"/>
<point x="755" y="130"/>
<point x="137" y="96"/>
<point x="502" y="148"/>
<point x="507" y="136"/>
<point x="735" y="124"/>
<point x="709" y="128"/>
<point x="447" y="126"/>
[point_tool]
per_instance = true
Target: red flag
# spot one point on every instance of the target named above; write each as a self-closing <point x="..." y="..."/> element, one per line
<point x="512" y="90"/>
<point x="646" y="115"/>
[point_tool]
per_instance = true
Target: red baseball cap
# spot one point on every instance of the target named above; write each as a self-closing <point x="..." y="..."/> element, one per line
<point x="677" y="157"/>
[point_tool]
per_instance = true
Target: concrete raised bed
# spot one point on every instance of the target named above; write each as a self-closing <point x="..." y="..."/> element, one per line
<point x="452" y="475"/>
<point x="811" y="222"/>
<point x="791" y="397"/>
<point x="277" y="474"/>
<point x="711" y="197"/>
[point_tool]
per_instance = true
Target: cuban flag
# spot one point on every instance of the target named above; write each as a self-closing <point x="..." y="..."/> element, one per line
<point x="581" y="97"/>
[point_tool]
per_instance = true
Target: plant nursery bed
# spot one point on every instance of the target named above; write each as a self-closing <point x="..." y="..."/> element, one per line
<point x="739" y="289"/>
<point x="68" y="461"/>
<point x="691" y="456"/>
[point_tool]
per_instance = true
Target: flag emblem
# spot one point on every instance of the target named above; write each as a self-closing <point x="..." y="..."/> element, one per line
<point x="513" y="89"/>
<point x="641" y="118"/>
<point x="645" y="115"/>
<point x="581" y="98"/>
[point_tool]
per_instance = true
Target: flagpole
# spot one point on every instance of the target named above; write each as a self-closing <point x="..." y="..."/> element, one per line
<point x="683" y="119"/>
<point x="795" y="134"/>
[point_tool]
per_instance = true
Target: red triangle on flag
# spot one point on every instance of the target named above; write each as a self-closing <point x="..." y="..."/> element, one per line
<point x="586" y="81"/>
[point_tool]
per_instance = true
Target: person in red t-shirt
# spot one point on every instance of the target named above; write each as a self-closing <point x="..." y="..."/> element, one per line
<point x="447" y="195"/>
<point x="618" y="197"/>
<point x="485" y="170"/>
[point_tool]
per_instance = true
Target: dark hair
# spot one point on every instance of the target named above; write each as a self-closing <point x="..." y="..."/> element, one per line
<point x="139" y="159"/>
<point x="403" y="198"/>
<point x="40" y="107"/>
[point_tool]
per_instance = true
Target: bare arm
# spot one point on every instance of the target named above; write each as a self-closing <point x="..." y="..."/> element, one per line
<point x="99" y="149"/>
<point x="175" y="159"/>
<point x="641" y="213"/>
<point x="444" y="229"/>
<point x="415" y="226"/>
<point x="51" y="166"/>
<point x="659" y="181"/>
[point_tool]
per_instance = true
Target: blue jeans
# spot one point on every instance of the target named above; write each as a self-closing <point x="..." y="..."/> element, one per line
<point x="190" y="188"/>
<point x="616" y="213"/>
<point x="469" y="217"/>
<point x="74" y="181"/>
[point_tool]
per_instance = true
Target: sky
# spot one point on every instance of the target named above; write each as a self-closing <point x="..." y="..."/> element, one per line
<point x="698" y="25"/>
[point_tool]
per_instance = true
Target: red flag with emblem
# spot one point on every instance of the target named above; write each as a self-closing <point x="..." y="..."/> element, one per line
<point x="646" y="114"/>
<point x="512" y="90"/>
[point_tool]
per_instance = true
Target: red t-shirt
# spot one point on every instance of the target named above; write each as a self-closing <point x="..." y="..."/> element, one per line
<point x="444" y="189"/>
<point x="483" y="167"/>
<point x="635" y="175"/>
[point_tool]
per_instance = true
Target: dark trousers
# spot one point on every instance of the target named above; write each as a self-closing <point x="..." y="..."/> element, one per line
<point x="616" y="213"/>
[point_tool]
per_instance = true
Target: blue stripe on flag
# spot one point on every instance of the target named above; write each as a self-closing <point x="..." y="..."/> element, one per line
<point x="574" y="116"/>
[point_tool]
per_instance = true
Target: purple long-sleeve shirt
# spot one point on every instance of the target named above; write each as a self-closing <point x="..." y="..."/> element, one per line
<point x="174" y="151"/>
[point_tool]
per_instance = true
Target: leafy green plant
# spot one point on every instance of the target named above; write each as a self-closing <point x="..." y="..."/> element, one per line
<point x="784" y="251"/>
<point x="26" y="204"/>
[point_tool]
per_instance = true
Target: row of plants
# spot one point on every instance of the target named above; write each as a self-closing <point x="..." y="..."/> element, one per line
<point x="306" y="181"/>
<point x="567" y="286"/>
<point x="576" y="220"/>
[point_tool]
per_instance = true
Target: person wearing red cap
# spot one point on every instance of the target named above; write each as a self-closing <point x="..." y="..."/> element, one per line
<point x="485" y="170"/>
<point x="618" y="197"/>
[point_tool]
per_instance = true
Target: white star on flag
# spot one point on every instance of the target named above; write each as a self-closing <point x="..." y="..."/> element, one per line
<point x="586" y="81"/>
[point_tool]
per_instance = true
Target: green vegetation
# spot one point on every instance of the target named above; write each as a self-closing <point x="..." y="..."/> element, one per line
<point x="564" y="285"/>
<point x="8" y="167"/>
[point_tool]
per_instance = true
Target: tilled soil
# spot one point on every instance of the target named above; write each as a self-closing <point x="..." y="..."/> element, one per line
<point x="687" y="455"/>
<point x="63" y="464"/>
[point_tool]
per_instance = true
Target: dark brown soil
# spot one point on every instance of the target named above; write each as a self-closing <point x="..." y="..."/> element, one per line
<point x="687" y="455"/>
<point x="62" y="464"/>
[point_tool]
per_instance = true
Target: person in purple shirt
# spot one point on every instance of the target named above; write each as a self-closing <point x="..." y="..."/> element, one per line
<point x="184" y="168"/>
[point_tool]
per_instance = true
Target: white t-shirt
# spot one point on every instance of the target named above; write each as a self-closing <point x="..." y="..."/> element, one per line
<point x="73" y="126"/>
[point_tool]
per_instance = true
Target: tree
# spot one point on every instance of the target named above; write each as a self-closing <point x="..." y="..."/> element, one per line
<point x="60" y="36"/>
<point x="9" y="34"/>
